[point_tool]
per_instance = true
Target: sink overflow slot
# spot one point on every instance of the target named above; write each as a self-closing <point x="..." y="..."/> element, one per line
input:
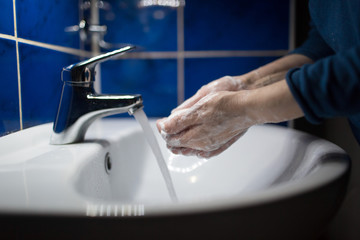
<point x="107" y="163"/>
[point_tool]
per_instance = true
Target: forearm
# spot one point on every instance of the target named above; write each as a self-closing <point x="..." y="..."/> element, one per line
<point x="271" y="72"/>
<point x="270" y="104"/>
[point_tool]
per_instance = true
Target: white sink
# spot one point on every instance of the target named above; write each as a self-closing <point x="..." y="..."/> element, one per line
<point x="274" y="183"/>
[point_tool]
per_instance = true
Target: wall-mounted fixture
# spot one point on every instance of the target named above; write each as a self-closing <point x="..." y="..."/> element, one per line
<point x="92" y="32"/>
<point x="164" y="3"/>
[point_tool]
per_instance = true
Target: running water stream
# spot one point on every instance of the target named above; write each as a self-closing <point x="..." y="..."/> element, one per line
<point x="142" y="119"/>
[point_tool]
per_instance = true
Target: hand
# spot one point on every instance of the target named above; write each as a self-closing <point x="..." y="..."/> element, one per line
<point x="226" y="83"/>
<point x="217" y="120"/>
<point x="204" y="154"/>
<point x="206" y="128"/>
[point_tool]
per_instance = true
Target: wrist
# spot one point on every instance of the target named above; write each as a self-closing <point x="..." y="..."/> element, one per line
<point x="241" y="105"/>
<point x="272" y="104"/>
<point x="246" y="81"/>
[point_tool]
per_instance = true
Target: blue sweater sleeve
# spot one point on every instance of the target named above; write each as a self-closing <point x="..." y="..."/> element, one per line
<point x="328" y="88"/>
<point x="314" y="47"/>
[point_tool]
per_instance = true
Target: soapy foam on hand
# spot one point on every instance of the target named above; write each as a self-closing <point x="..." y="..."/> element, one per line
<point x="211" y="139"/>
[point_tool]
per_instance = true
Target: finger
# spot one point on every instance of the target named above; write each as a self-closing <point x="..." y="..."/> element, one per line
<point x="183" y="151"/>
<point x="209" y="154"/>
<point x="176" y="141"/>
<point x="179" y="121"/>
<point x="205" y="154"/>
<point x="159" y="124"/>
<point x="191" y="101"/>
<point x="188" y="103"/>
<point x="192" y="138"/>
<point x="199" y="137"/>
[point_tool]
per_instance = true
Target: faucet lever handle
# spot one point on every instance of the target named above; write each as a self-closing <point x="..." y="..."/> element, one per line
<point x="85" y="71"/>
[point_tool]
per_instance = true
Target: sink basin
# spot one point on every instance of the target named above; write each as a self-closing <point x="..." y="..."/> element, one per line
<point x="274" y="183"/>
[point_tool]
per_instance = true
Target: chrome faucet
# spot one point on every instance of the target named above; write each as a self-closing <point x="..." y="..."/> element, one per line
<point x="80" y="105"/>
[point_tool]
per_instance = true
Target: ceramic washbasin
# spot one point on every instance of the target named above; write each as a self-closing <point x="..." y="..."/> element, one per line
<point x="274" y="183"/>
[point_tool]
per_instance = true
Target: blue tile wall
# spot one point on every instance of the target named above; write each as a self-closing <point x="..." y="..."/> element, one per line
<point x="154" y="79"/>
<point x="211" y="25"/>
<point x="236" y="25"/>
<point x="41" y="82"/>
<point x="45" y="21"/>
<point x="9" y="100"/>
<point x="151" y="29"/>
<point x="6" y="17"/>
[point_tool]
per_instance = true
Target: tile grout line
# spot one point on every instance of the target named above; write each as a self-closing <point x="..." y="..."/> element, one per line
<point x="235" y="53"/>
<point x="19" y="90"/>
<point x="95" y="47"/>
<point x="180" y="56"/>
<point x="292" y="25"/>
<point x="18" y="66"/>
<point x="292" y="37"/>
<point x="73" y="51"/>
<point x="157" y="54"/>
<point x="204" y="54"/>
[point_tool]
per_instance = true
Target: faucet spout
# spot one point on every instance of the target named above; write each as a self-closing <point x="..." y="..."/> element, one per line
<point x="75" y="116"/>
<point x="80" y="105"/>
<point x="114" y="104"/>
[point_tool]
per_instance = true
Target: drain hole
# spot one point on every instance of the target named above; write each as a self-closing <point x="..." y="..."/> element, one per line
<point x="107" y="163"/>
